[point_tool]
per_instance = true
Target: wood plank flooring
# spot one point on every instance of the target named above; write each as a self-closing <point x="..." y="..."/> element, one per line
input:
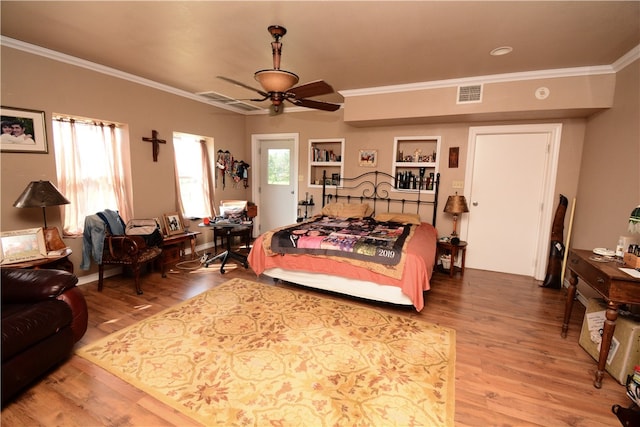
<point x="512" y="367"/>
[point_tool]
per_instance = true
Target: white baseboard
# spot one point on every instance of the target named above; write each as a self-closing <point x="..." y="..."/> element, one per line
<point x="90" y="278"/>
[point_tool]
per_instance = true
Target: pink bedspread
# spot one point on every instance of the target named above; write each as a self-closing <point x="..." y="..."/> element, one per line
<point x="415" y="277"/>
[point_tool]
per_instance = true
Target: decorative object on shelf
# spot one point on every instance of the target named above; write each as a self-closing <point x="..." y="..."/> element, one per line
<point x="454" y="154"/>
<point x="40" y="194"/>
<point x="634" y="220"/>
<point x="368" y="158"/>
<point x="173" y="223"/>
<point x="23" y="131"/>
<point x="455" y="206"/>
<point x="156" y="143"/>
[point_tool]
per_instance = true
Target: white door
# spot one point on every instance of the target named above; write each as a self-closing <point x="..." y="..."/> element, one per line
<point x="275" y="192"/>
<point x="510" y="181"/>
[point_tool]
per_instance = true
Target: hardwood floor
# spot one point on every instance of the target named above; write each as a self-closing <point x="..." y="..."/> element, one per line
<point x="512" y="367"/>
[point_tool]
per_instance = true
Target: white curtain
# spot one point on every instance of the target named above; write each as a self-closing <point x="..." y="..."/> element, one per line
<point x="193" y="177"/>
<point x="93" y="167"/>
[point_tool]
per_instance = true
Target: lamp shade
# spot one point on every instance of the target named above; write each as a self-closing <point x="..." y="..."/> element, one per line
<point x="456" y="204"/>
<point x="634" y="220"/>
<point x="276" y="80"/>
<point x="40" y="194"/>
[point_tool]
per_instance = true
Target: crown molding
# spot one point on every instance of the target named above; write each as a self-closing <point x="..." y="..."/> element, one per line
<point x="618" y="65"/>
<point x="72" y="60"/>
<point x="625" y="60"/>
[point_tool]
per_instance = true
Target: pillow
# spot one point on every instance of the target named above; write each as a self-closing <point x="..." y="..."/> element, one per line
<point x="403" y="218"/>
<point x="347" y="210"/>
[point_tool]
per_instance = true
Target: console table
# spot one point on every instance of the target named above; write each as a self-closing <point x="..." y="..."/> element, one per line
<point x="173" y="248"/>
<point x="615" y="286"/>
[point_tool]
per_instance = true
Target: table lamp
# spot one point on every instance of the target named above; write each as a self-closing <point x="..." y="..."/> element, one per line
<point x="455" y="206"/>
<point x="40" y="194"/>
<point x="634" y="220"/>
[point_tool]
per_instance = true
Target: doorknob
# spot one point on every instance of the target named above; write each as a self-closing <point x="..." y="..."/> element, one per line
<point x="475" y="203"/>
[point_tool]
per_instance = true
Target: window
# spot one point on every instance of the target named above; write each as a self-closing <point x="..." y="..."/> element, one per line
<point x="93" y="168"/>
<point x="192" y="174"/>
<point x="278" y="166"/>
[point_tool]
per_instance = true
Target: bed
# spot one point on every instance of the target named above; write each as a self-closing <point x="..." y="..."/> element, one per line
<point x="371" y="203"/>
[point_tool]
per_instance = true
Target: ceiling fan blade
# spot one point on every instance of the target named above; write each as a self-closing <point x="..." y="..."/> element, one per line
<point x="318" y="105"/>
<point x="307" y="90"/>
<point x="235" y="82"/>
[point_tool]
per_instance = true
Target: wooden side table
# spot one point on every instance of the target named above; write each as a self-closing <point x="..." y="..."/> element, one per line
<point x="60" y="261"/>
<point x="447" y="247"/>
<point x="173" y="248"/>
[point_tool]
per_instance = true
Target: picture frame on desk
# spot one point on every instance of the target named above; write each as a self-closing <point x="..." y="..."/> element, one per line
<point x="161" y="225"/>
<point x="28" y="133"/>
<point x="22" y="245"/>
<point x="173" y="223"/>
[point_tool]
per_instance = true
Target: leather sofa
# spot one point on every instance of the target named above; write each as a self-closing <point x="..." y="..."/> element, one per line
<point x="43" y="316"/>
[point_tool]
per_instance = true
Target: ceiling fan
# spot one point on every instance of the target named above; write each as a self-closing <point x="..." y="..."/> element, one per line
<point x="277" y="85"/>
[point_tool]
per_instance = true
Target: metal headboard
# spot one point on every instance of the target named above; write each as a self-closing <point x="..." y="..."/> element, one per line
<point x="376" y="186"/>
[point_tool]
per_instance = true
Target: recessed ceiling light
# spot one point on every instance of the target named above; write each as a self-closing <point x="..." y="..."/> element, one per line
<point x="503" y="50"/>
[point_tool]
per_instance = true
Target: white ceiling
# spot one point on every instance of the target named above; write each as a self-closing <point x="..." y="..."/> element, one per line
<point x="349" y="44"/>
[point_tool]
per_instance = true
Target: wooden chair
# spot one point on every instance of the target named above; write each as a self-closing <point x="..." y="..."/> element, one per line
<point x="126" y="251"/>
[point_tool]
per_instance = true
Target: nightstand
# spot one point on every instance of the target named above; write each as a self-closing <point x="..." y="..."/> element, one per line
<point x="446" y="247"/>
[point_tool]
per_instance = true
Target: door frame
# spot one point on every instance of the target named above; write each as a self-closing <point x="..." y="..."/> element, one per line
<point x="554" y="132"/>
<point x="256" y="140"/>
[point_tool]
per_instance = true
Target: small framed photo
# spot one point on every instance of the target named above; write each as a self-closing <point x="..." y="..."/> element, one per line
<point x="368" y="158"/>
<point x="162" y="226"/>
<point x="173" y="223"/>
<point x="22" y="245"/>
<point x="23" y="131"/>
<point x="335" y="179"/>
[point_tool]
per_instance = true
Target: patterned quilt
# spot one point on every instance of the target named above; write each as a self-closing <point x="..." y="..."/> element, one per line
<point x="363" y="239"/>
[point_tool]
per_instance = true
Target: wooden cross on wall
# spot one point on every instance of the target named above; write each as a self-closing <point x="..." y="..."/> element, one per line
<point x="156" y="143"/>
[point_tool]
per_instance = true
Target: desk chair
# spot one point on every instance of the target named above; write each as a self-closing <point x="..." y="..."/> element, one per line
<point x="242" y="211"/>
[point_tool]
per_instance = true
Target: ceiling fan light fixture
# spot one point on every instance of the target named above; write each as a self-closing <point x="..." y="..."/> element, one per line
<point x="276" y="80"/>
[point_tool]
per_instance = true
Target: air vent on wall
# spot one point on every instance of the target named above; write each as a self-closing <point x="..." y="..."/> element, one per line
<point x="469" y="94"/>
<point x="216" y="97"/>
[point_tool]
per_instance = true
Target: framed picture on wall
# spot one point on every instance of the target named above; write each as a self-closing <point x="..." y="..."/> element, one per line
<point x="23" y="131"/>
<point x="368" y="158"/>
<point x="173" y="223"/>
<point x="454" y="155"/>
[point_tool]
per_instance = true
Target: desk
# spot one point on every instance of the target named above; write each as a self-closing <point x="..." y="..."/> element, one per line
<point x="173" y="248"/>
<point x="228" y="230"/>
<point x="615" y="286"/>
<point x="56" y="262"/>
<point x="448" y="247"/>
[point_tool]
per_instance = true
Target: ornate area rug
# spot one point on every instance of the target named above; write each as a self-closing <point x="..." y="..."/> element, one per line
<point x="246" y="353"/>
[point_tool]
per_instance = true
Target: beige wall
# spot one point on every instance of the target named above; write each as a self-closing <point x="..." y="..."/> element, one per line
<point x="608" y="139"/>
<point x="610" y="173"/>
<point x="34" y="82"/>
<point x="330" y="125"/>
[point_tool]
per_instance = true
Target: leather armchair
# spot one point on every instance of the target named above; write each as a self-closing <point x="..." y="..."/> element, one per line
<point x="43" y="316"/>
